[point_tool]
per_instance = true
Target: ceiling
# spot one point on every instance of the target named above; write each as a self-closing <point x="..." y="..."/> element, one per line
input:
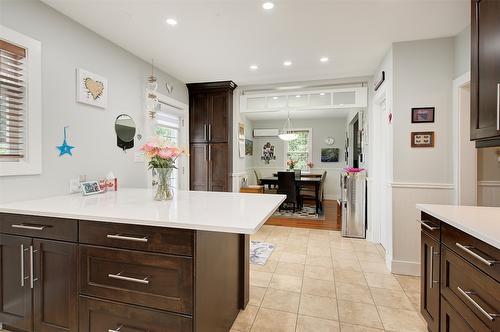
<point x="300" y="114"/>
<point x="219" y="40"/>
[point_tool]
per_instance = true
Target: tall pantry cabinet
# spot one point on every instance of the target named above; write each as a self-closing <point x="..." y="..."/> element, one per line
<point x="210" y="135"/>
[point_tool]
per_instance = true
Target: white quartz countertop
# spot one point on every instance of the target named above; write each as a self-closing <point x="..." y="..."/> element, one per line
<point x="197" y="210"/>
<point x="482" y="223"/>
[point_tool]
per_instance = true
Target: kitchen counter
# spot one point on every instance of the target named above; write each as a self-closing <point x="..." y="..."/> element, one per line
<point x="482" y="223"/>
<point x="195" y="210"/>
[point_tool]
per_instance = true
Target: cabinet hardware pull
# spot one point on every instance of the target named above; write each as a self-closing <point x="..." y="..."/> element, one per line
<point x="210" y="153"/>
<point x="204" y="132"/>
<point x="32" y="267"/>
<point x="30" y="227"/>
<point x="119" y="328"/>
<point x="119" y="276"/>
<point x="431" y="269"/>
<point x="424" y="223"/>
<point x="209" y="132"/>
<point x="468" y="250"/>
<point x="498" y="106"/>
<point x="127" y="238"/>
<point x="22" y="265"/>
<point x="467" y="295"/>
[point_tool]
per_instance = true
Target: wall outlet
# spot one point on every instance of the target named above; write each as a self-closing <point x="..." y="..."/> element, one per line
<point x="74" y="186"/>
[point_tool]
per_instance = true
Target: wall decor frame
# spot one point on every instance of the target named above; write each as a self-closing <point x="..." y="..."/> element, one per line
<point x="422" y="114"/>
<point x="422" y="139"/>
<point x="248" y="147"/>
<point x="330" y="155"/>
<point x="91" y="89"/>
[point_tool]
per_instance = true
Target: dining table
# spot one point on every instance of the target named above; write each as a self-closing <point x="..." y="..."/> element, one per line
<point x="303" y="181"/>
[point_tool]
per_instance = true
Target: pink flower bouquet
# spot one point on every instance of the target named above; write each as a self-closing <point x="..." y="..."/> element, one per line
<point x="160" y="153"/>
<point x="353" y="169"/>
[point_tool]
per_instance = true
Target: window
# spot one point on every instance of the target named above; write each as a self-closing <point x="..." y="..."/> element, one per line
<point x="20" y="104"/>
<point x="300" y="149"/>
<point x="167" y="127"/>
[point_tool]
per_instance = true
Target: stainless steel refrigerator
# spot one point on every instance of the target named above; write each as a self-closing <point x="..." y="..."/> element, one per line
<point x="353" y="204"/>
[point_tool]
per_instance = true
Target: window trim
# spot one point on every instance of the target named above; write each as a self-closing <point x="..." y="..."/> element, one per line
<point x="31" y="163"/>
<point x="309" y="145"/>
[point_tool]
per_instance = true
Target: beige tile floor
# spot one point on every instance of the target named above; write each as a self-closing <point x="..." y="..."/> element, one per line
<point x="317" y="281"/>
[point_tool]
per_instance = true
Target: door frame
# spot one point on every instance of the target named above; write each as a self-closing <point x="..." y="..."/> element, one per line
<point x="459" y="87"/>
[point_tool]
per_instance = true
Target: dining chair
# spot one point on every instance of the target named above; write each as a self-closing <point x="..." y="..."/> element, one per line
<point x="287" y="185"/>
<point x="309" y="194"/>
<point x="257" y="176"/>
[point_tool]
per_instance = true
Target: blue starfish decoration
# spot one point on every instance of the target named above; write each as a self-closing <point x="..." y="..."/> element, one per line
<point x="65" y="148"/>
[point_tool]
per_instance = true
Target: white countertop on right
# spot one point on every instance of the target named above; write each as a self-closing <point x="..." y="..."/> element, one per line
<point x="481" y="222"/>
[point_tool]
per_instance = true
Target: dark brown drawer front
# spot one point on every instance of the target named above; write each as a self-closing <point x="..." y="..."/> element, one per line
<point x="430" y="225"/>
<point x="39" y="227"/>
<point x="473" y="294"/>
<point x="154" y="280"/>
<point x="452" y="321"/>
<point x="107" y="316"/>
<point x="155" y="239"/>
<point x="472" y="250"/>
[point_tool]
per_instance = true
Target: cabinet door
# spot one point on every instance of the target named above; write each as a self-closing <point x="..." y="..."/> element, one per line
<point x="429" y="287"/>
<point x="15" y="290"/>
<point x="485" y="69"/>
<point x="198" y="169"/>
<point x="218" y="103"/>
<point x="198" y="117"/>
<point x="55" y="291"/>
<point x="452" y="321"/>
<point x="218" y="172"/>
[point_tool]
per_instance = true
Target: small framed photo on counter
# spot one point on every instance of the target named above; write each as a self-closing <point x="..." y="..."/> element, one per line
<point x="91" y="188"/>
<point x="422" y="115"/>
<point x="422" y="139"/>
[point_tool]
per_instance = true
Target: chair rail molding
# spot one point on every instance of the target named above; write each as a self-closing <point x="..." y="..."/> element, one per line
<point x="488" y="183"/>
<point x="423" y="185"/>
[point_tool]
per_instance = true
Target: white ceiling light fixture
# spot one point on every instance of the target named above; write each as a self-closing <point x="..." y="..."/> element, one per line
<point x="268" y="5"/>
<point x="287" y="133"/>
<point x="323" y="59"/>
<point x="287" y="63"/>
<point x="254" y="67"/>
<point x="171" y="21"/>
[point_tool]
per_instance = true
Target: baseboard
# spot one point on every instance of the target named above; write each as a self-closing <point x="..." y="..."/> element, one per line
<point x="405" y="268"/>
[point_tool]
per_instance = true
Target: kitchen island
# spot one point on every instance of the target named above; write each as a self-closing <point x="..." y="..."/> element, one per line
<point x="460" y="267"/>
<point x="120" y="261"/>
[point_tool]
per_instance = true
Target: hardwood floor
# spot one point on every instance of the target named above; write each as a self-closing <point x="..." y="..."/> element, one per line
<point x="331" y="222"/>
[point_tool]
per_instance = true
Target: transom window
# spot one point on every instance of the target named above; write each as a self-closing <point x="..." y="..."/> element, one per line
<point x="300" y="149"/>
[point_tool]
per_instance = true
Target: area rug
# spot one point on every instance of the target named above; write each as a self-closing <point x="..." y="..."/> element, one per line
<point x="260" y="252"/>
<point x="307" y="212"/>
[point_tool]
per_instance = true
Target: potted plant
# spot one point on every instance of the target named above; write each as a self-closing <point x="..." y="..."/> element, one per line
<point x="291" y="164"/>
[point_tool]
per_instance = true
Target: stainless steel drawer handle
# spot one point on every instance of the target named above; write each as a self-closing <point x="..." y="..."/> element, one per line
<point x="30" y="227"/>
<point x="23" y="277"/>
<point x="429" y="227"/>
<point x="498" y="106"/>
<point x="127" y="238"/>
<point x="119" y="276"/>
<point x="467" y="295"/>
<point x="119" y="329"/>
<point x="32" y="267"/>
<point x="468" y="250"/>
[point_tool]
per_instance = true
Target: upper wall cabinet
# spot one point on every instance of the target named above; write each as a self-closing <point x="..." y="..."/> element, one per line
<point x="353" y="97"/>
<point x="485" y="72"/>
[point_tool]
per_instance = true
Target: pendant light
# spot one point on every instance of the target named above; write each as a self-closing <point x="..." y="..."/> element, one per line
<point x="287" y="133"/>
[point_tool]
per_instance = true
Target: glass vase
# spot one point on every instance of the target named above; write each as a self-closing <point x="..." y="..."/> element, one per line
<point x="162" y="188"/>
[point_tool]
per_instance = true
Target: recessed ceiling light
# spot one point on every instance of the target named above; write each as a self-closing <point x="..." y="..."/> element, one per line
<point x="254" y="67"/>
<point x="275" y="97"/>
<point x="322" y="94"/>
<point x="323" y="59"/>
<point x="268" y="5"/>
<point x="171" y="21"/>
<point x="297" y="96"/>
<point x="287" y="63"/>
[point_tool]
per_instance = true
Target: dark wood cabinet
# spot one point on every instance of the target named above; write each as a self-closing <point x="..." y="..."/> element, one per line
<point x="55" y="289"/>
<point x="15" y="291"/>
<point x="429" y="296"/>
<point x="210" y="118"/>
<point x="485" y="72"/>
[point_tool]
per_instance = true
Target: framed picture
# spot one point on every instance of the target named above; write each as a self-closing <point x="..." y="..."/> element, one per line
<point x="91" y="188"/>
<point x="92" y="89"/>
<point x="422" y="139"/>
<point x="241" y="131"/>
<point x="330" y="155"/>
<point x="248" y="147"/>
<point x="422" y="115"/>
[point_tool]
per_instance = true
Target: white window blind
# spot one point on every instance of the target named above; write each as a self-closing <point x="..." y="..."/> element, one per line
<point x="12" y="101"/>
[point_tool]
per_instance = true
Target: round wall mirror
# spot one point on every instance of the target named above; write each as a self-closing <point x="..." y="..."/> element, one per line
<point x="125" y="131"/>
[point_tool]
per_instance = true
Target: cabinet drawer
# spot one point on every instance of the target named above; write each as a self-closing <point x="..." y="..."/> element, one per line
<point x="153" y="280"/>
<point x="473" y="294"/>
<point x="430" y="225"/>
<point x="452" y="321"/>
<point x="107" y="316"/>
<point x="480" y="254"/>
<point x="39" y="227"/>
<point x="147" y="238"/>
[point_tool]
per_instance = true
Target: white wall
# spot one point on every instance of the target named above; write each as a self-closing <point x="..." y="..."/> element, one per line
<point x="461" y="45"/>
<point x="321" y="129"/>
<point x="66" y="46"/>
